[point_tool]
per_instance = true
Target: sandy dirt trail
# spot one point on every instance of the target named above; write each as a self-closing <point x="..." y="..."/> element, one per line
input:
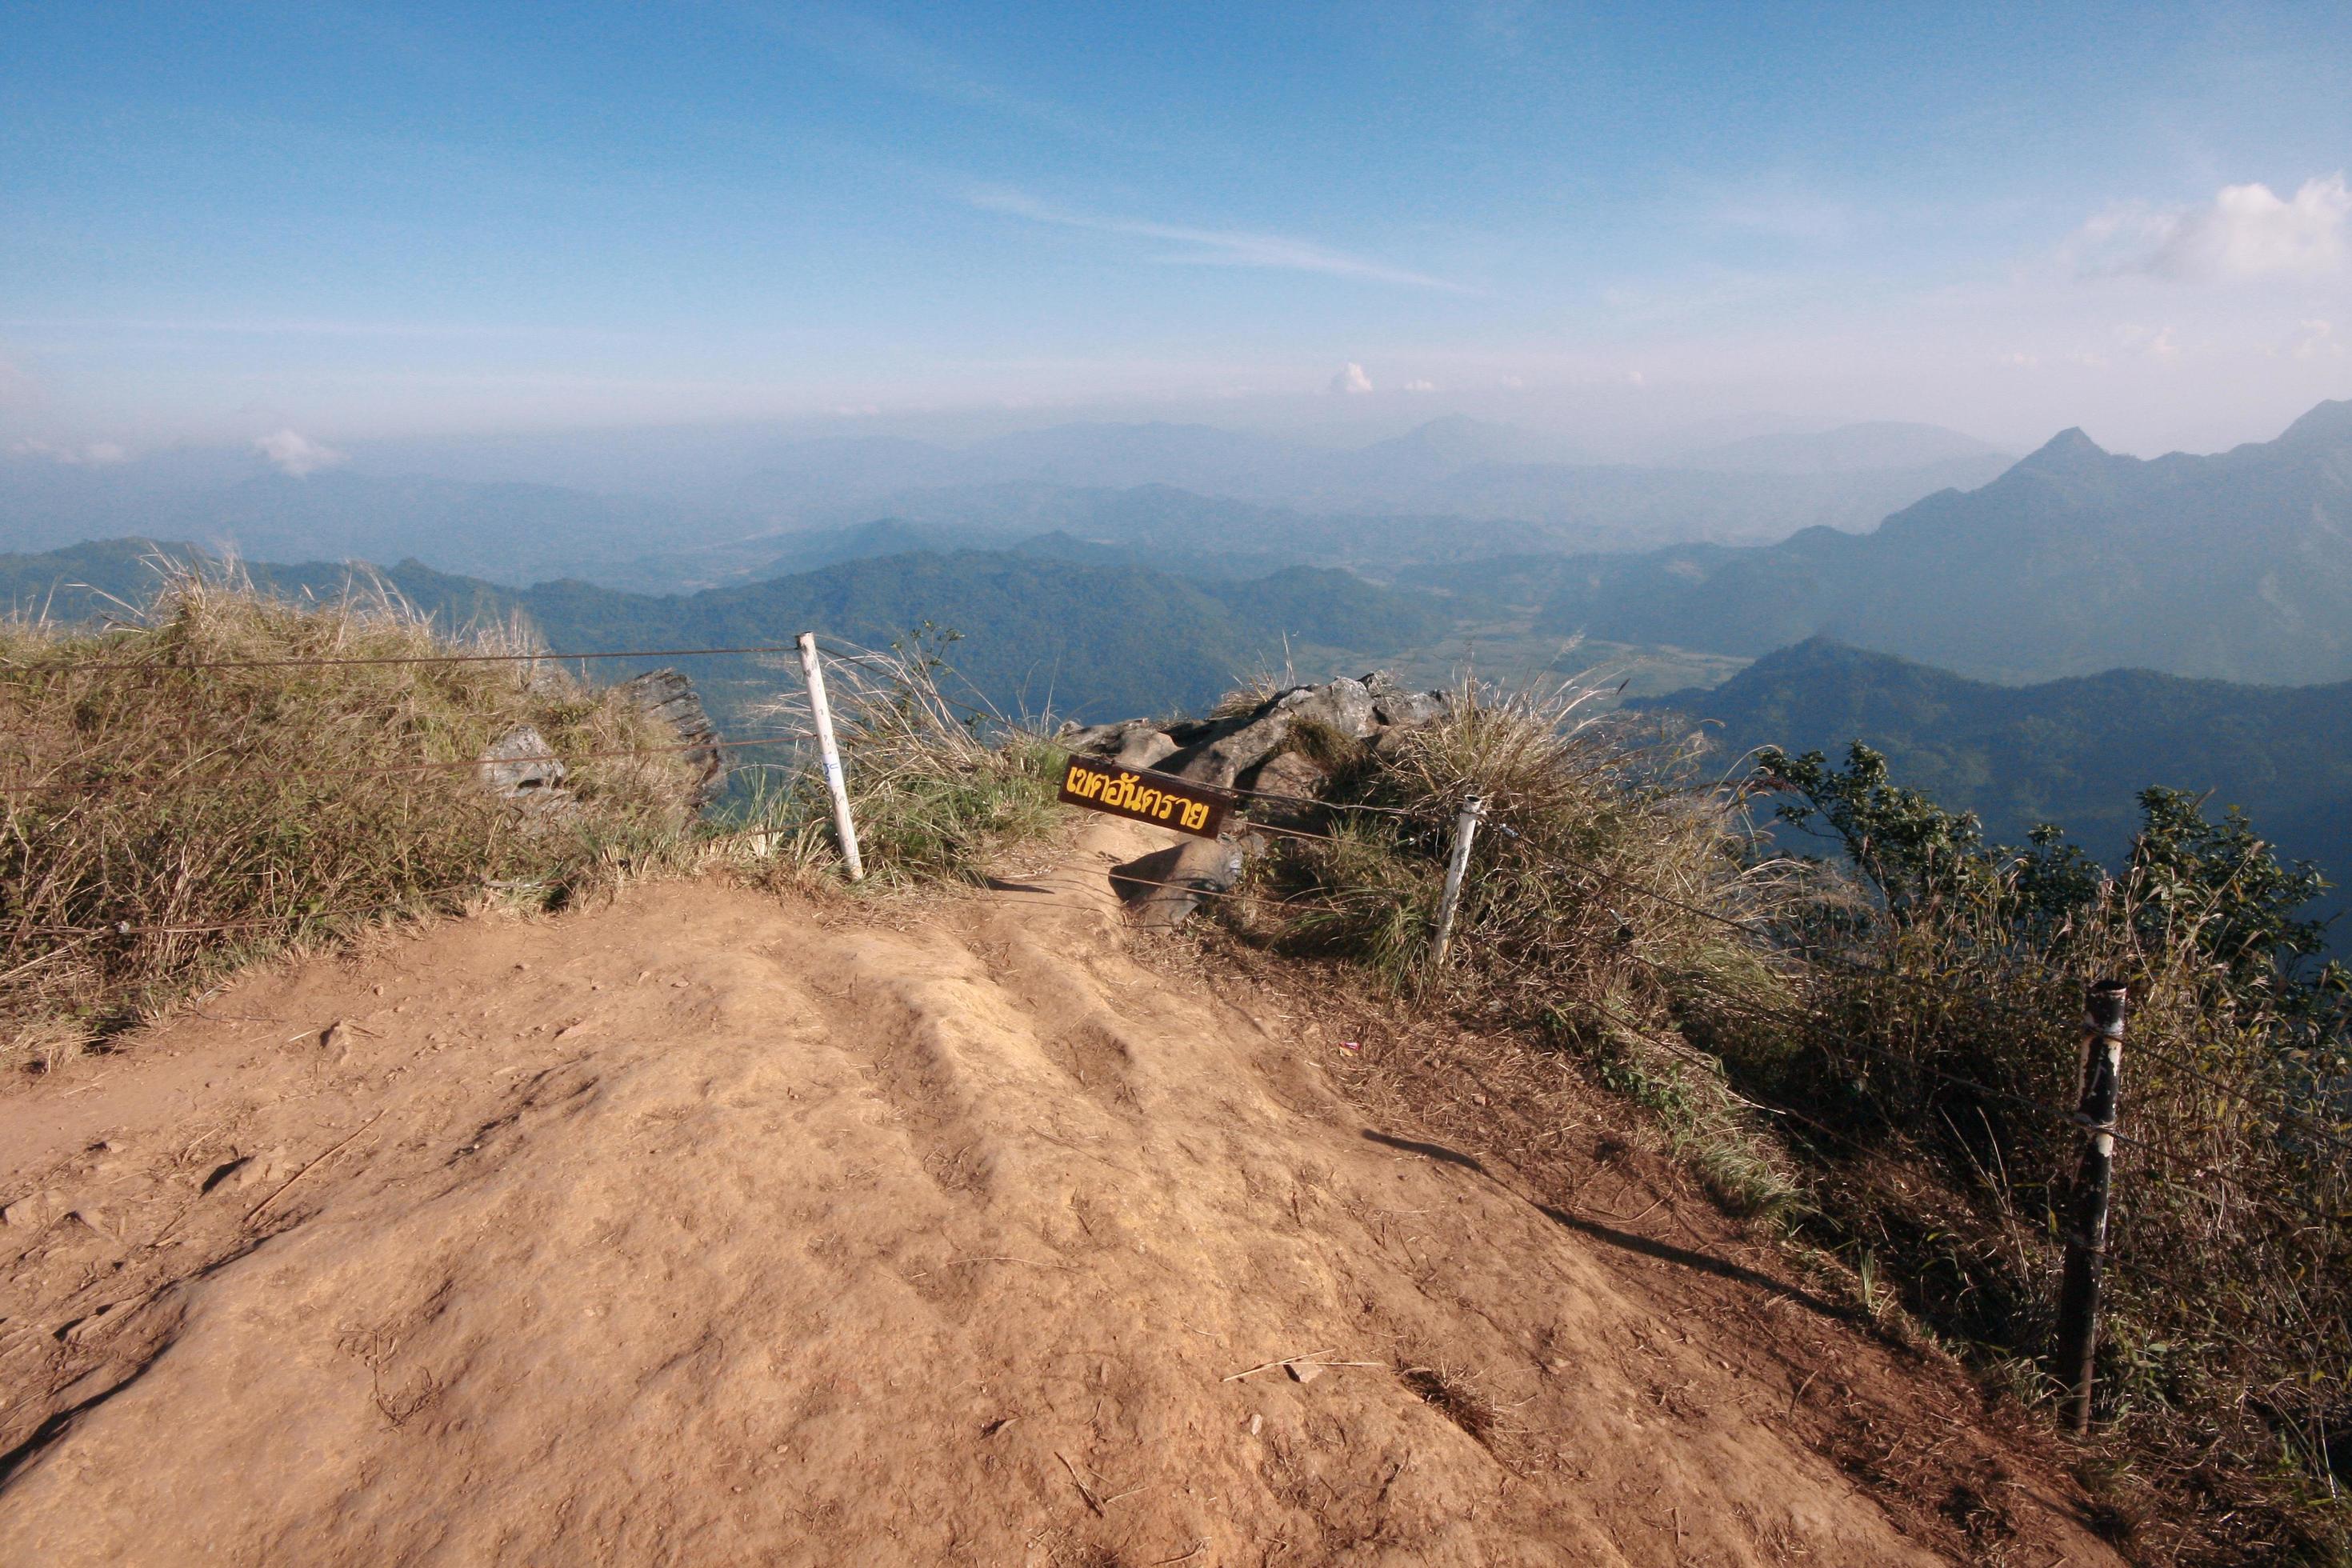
<point x="707" y="1228"/>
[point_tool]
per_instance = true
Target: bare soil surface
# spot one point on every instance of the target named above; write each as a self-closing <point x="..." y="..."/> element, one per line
<point x="711" y="1227"/>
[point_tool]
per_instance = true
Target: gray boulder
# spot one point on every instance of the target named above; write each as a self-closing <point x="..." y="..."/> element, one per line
<point x="520" y="765"/>
<point x="1163" y="888"/>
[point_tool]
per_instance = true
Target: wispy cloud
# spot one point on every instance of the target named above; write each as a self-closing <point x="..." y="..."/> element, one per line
<point x="1351" y="378"/>
<point x="295" y="454"/>
<point x="874" y="49"/>
<point x="1216" y="247"/>
<point x="2246" y="231"/>
<point x="295" y="328"/>
<point x="75" y="455"/>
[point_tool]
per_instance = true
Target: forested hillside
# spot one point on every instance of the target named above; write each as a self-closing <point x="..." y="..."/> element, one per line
<point x="2073" y="752"/>
<point x="1088" y="640"/>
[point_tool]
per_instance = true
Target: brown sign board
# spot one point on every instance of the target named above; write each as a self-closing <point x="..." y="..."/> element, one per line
<point x="1157" y="799"/>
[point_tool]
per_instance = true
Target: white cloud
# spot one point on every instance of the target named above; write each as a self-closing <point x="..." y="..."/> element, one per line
<point x="295" y="454"/>
<point x="1635" y="378"/>
<point x="2151" y="342"/>
<point x="2246" y="231"/>
<point x="1217" y="247"/>
<point x="1420" y="385"/>
<point x="89" y="454"/>
<point x="2318" y="339"/>
<point x="1351" y="378"/>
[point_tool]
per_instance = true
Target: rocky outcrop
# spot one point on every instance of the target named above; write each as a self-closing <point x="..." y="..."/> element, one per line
<point x="1220" y="751"/>
<point x="669" y="697"/>
<point x="522" y="767"/>
<point x="1278" y="755"/>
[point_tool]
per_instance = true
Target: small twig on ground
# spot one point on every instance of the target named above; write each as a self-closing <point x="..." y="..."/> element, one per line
<point x="255" y="1212"/>
<point x="1269" y="1366"/>
<point x="1083" y="1490"/>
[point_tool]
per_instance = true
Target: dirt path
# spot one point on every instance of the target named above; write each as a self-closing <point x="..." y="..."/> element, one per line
<point x="709" y="1229"/>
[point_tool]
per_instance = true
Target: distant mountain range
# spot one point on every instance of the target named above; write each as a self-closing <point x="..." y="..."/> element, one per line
<point x="1094" y="640"/>
<point x="2235" y="566"/>
<point x="1190" y="497"/>
<point x="1455" y="467"/>
<point x="1876" y="445"/>
<point x="2075" y="752"/>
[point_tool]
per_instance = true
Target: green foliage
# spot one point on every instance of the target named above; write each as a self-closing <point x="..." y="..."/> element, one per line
<point x="1913" y="851"/>
<point x="2078" y="752"/>
<point x="1941" y="1039"/>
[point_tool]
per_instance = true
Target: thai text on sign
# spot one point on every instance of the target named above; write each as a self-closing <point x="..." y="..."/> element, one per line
<point x="1154" y="799"/>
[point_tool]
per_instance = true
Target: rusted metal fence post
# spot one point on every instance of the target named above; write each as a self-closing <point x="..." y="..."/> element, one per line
<point x="1466" y="827"/>
<point x="834" y="783"/>
<point x="2086" y="1224"/>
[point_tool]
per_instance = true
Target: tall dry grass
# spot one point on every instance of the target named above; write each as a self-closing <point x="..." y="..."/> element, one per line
<point x="1583" y="808"/>
<point x="939" y="781"/>
<point x="1895" y="1085"/>
<point x="160" y="821"/>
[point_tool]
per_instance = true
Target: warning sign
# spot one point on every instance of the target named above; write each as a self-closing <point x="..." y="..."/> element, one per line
<point x="1145" y="797"/>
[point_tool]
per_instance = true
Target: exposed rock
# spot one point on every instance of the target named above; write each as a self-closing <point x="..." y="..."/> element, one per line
<point x="1344" y="707"/>
<point x="1257" y="751"/>
<point x="521" y="765"/>
<point x="1409" y="710"/>
<point x="30" y="1212"/>
<point x="1164" y="886"/>
<point x="1145" y="748"/>
<point x="1136" y="743"/>
<point x="1287" y="786"/>
<point x="668" y="696"/>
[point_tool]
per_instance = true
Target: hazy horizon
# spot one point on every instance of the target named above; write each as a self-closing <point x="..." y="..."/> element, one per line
<point x="349" y="226"/>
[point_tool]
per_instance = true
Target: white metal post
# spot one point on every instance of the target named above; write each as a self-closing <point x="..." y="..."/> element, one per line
<point x="1466" y="827"/>
<point x="822" y="712"/>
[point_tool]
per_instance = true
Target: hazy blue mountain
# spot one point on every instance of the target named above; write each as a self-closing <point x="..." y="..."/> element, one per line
<point x="1203" y="535"/>
<point x="1855" y="449"/>
<point x="1190" y="497"/>
<point x="1453" y="443"/>
<point x="1641" y="505"/>
<point x="508" y="532"/>
<point x="1095" y="640"/>
<point x="2235" y="566"/>
<point x="1451" y="467"/>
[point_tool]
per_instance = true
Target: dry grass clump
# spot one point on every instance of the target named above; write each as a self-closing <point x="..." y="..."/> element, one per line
<point x="938" y="784"/>
<point x="1553" y="934"/>
<point x="160" y="820"/>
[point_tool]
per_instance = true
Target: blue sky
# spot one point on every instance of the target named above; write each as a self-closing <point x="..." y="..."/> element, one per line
<point x="385" y="220"/>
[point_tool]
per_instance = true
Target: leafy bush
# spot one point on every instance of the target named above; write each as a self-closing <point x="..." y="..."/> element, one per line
<point x="1908" y="1011"/>
<point x="1945" y="1011"/>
